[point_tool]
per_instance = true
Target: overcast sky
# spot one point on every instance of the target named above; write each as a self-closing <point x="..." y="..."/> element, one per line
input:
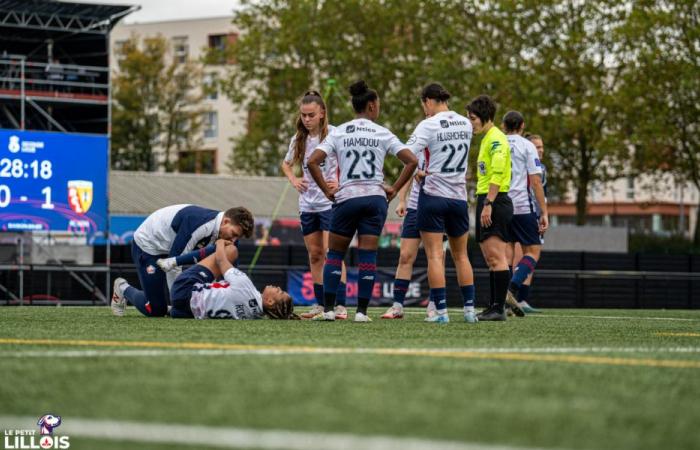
<point x="157" y="10"/>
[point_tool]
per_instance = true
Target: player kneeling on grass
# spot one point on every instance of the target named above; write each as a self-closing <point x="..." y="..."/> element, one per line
<point x="173" y="231"/>
<point x="197" y="294"/>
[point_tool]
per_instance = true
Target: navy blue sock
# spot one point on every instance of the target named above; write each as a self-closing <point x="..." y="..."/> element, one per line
<point x="524" y="268"/>
<point x="524" y="293"/>
<point x="340" y="295"/>
<point x="468" y="294"/>
<point x="138" y="299"/>
<point x="367" y="265"/>
<point x="195" y="256"/>
<point x="439" y="297"/>
<point x="331" y="277"/>
<point x="318" y="293"/>
<point x="400" y="289"/>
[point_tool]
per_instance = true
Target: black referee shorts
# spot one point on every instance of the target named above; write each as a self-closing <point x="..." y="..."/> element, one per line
<point x="501" y="215"/>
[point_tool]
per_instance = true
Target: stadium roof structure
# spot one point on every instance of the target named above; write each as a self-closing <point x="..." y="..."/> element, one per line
<point x="141" y="193"/>
<point x="56" y="15"/>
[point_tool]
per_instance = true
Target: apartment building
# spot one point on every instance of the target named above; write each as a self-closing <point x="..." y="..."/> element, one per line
<point x="191" y="38"/>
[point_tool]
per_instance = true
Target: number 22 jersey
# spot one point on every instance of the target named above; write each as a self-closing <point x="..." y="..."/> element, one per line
<point x="360" y="146"/>
<point x="445" y="138"/>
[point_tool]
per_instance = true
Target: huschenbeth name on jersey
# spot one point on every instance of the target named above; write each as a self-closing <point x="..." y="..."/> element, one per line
<point x="360" y="141"/>
<point x="454" y="136"/>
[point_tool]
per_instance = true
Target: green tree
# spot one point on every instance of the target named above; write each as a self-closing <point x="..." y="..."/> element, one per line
<point x="566" y="78"/>
<point x="156" y="110"/>
<point x="287" y="47"/>
<point x="556" y="61"/>
<point x="662" y="40"/>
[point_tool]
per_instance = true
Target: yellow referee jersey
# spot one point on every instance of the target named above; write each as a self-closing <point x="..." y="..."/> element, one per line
<point x="493" y="164"/>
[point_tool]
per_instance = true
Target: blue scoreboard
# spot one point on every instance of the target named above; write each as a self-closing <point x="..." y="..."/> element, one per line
<point x="53" y="182"/>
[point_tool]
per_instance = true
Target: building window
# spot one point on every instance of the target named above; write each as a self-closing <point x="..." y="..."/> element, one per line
<point x="198" y="161"/>
<point x="211" y="126"/>
<point x="181" y="49"/>
<point x="630" y="188"/>
<point x="211" y="86"/>
<point x="218" y="44"/>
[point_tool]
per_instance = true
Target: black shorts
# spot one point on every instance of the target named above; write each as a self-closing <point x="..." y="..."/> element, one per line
<point x="501" y="215"/>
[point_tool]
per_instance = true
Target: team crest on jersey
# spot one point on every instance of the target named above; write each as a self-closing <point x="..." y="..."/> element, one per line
<point x="350" y="129"/>
<point x="444" y="124"/>
<point x="80" y="195"/>
<point x="538" y="163"/>
<point x="412" y="140"/>
<point x="482" y="167"/>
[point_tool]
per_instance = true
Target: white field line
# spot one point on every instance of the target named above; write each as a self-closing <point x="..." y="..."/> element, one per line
<point x="582" y="316"/>
<point x="197" y="436"/>
<point x="97" y="353"/>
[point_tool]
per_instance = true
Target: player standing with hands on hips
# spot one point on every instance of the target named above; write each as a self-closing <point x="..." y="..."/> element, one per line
<point x="314" y="207"/>
<point x="442" y="202"/>
<point x="361" y="200"/>
<point x="494" y="209"/>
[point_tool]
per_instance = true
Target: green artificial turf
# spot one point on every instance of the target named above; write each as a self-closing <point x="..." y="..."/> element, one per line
<point x="601" y="403"/>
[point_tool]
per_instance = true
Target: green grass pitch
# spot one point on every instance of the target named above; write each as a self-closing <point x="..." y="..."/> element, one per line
<point x="566" y="379"/>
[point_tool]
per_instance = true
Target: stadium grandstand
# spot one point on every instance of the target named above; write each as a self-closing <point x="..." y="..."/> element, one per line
<point x="54" y="65"/>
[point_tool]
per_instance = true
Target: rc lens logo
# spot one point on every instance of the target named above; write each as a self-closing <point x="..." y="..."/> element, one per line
<point x="80" y="195"/>
<point x="28" y="439"/>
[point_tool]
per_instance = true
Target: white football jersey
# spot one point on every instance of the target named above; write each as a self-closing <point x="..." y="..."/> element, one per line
<point x="415" y="187"/>
<point x="178" y="229"/>
<point x="446" y="138"/>
<point x="233" y="298"/>
<point x="360" y="147"/>
<point x="313" y="200"/>
<point x="524" y="162"/>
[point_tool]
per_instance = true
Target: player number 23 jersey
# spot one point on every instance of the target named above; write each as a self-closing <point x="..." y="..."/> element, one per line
<point x="360" y="146"/>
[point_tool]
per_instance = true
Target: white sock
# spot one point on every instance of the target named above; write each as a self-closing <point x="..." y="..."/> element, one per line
<point x="468" y="309"/>
<point x="398" y="305"/>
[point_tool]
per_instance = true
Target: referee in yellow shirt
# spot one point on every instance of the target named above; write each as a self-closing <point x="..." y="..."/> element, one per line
<point x="494" y="209"/>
